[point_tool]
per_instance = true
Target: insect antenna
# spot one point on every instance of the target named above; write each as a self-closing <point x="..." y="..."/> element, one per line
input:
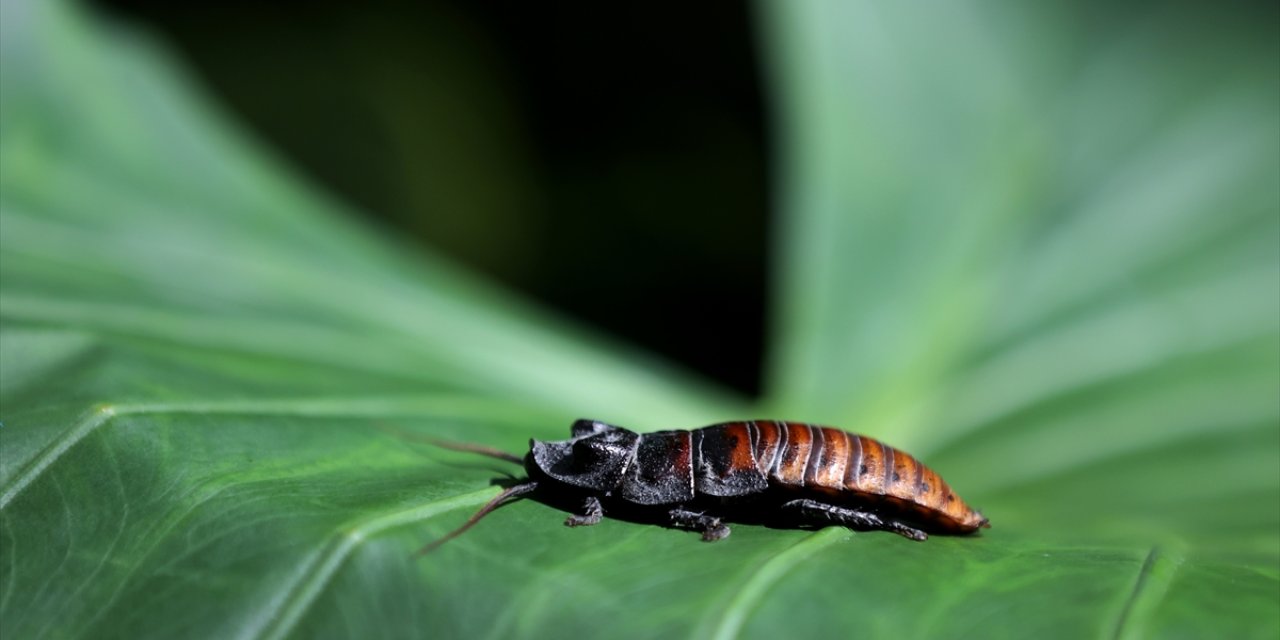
<point x="476" y="448"/>
<point x="497" y="501"/>
<point x="465" y="447"/>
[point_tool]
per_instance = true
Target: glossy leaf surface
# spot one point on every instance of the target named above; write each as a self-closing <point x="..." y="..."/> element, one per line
<point x="1036" y="252"/>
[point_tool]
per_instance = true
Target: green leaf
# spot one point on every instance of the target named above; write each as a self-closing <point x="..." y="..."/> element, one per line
<point x="1034" y="246"/>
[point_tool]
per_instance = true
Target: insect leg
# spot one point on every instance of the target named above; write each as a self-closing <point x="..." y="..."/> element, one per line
<point x="592" y="513"/>
<point x="712" y="528"/>
<point x="852" y="518"/>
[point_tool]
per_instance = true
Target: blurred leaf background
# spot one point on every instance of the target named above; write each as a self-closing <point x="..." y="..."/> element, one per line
<point x="1037" y="246"/>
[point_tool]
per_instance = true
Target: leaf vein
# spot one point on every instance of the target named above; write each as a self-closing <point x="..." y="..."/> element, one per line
<point x="758" y="581"/>
<point x="285" y="612"/>
<point x="88" y="424"/>
<point x="100" y="415"/>
<point x="1149" y="588"/>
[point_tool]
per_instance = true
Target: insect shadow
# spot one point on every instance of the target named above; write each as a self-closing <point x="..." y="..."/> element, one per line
<point x="751" y="511"/>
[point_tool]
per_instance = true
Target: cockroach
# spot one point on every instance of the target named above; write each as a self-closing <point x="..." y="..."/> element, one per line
<point x="812" y="475"/>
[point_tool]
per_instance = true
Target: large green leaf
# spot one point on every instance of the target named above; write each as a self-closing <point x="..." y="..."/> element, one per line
<point x="1036" y="247"/>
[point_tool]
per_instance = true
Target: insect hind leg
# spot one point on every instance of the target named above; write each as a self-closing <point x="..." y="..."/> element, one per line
<point x="712" y="528"/>
<point x="815" y="511"/>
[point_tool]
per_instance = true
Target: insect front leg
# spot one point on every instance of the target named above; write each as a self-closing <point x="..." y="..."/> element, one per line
<point x="592" y="513"/>
<point x="813" y="510"/>
<point x="711" y="527"/>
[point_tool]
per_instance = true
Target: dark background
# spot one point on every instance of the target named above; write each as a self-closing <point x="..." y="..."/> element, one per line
<point x="608" y="162"/>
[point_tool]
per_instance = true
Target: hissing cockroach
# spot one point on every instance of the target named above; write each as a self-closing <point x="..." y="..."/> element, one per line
<point x="810" y="476"/>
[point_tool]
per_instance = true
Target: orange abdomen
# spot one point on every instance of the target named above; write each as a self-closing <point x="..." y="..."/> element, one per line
<point x="836" y="466"/>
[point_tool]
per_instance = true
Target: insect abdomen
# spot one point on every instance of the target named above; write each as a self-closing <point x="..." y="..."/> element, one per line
<point x="836" y="464"/>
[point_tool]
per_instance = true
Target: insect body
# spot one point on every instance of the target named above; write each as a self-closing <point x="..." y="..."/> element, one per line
<point x="807" y="475"/>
